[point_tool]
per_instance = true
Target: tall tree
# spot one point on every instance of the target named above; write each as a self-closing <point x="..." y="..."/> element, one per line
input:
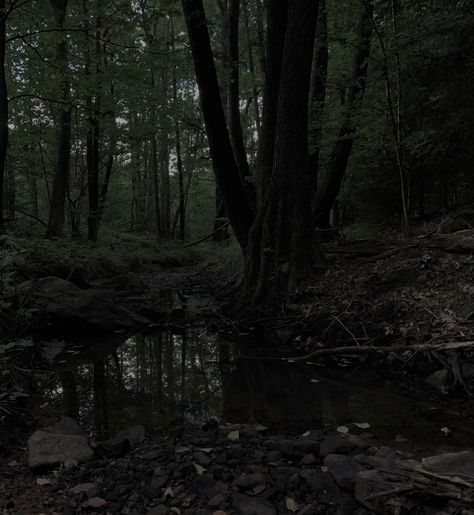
<point x="280" y="255"/>
<point x="3" y="106"/>
<point x="237" y="203"/>
<point x="318" y="93"/>
<point x="61" y="178"/>
<point x="331" y="184"/>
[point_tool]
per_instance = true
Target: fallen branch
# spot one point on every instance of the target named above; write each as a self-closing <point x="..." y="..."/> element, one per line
<point x="368" y="349"/>
<point x="221" y="228"/>
<point x="30" y="215"/>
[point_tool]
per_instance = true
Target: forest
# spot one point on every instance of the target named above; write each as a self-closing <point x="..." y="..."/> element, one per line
<point x="236" y="257"/>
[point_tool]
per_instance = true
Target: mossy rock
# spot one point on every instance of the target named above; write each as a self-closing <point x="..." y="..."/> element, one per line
<point x="458" y="221"/>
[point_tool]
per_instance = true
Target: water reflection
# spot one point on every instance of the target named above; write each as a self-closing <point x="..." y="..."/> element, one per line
<point x="157" y="380"/>
<point x="174" y="377"/>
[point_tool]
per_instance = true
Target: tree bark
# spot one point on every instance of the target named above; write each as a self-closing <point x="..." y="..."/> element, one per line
<point x="276" y="27"/>
<point x="280" y="256"/>
<point x="61" y="178"/>
<point x="318" y="94"/>
<point x="237" y="203"/>
<point x="235" y="123"/>
<point x="94" y="139"/>
<point x="331" y="184"/>
<point x="3" y="108"/>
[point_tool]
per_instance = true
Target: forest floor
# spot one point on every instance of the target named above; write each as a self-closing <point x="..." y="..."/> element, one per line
<point x="371" y="294"/>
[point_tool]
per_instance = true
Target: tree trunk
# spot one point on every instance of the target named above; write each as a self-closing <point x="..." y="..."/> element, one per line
<point x="331" y="184"/>
<point x="280" y="256"/>
<point x="258" y="122"/>
<point x="3" y="108"/>
<point x="276" y="26"/>
<point x="237" y="203"/>
<point x="318" y="94"/>
<point x="235" y="124"/>
<point x="94" y="140"/>
<point x="61" y="178"/>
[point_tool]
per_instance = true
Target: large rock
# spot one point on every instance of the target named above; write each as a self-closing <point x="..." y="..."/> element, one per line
<point x="253" y="505"/>
<point x="132" y="434"/>
<point x="45" y="448"/>
<point x="65" y="308"/>
<point x="343" y="469"/>
<point x="451" y="464"/>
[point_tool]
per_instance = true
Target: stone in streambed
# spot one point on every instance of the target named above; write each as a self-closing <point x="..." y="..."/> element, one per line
<point x="253" y="505"/>
<point x="343" y="469"/>
<point x="52" y="449"/>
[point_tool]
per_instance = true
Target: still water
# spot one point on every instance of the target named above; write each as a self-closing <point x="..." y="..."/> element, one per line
<point x="171" y="378"/>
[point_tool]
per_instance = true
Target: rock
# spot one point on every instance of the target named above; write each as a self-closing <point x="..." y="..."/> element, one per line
<point x="205" y="486"/>
<point x="451" y="464"/>
<point x="157" y="483"/>
<point x="309" y="459"/>
<point x="455" y="222"/>
<point x="249" y="481"/>
<point x="438" y="379"/>
<point x="202" y="459"/>
<point x="89" y="489"/>
<point x="114" y="448"/>
<point x="343" y="469"/>
<point x="67" y="308"/>
<point x="253" y="505"/>
<point x="52" y="449"/>
<point x="217" y="500"/>
<point x="95" y="503"/>
<point x="336" y="444"/>
<point x="161" y="509"/>
<point x="133" y="434"/>
<point x="289" y="451"/>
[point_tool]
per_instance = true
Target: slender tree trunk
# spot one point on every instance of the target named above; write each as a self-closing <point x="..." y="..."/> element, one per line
<point x="331" y="184"/>
<point x="101" y="414"/>
<point x="280" y="256"/>
<point x="237" y="203"/>
<point x="61" y="178"/>
<point x="260" y="33"/>
<point x="182" y="195"/>
<point x="3" y="109"/>
<point x="251" y="60"/>
<point x="70" y="398"/>
<point x="94" y="140"/>
<point x="318" y="93"/>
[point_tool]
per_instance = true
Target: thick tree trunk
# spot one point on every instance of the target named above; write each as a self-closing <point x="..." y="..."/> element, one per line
<point x="280" y="256"/>
<point x="331" y="184"/>
<point x="61" y="178"/>
<point x="318" y="93"/>
<point x="237" y="203"/>
<point x="276" y="27"/>
<point x="3" y="109"/>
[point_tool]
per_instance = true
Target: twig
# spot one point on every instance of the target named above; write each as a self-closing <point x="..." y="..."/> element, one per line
<point x="367" y="349"/>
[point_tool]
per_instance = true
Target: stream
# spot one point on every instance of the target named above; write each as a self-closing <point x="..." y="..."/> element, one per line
<point x="188" y="376"/>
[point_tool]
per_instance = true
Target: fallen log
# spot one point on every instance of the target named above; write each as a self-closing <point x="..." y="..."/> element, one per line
<point x="369" y="349"/>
